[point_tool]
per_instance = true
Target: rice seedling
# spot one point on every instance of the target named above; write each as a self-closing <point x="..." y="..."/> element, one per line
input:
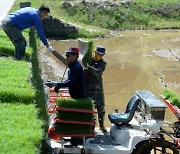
<point x="85" y="104"/>
<point x="87" y="57"/>
<point x="172" y="97"/>
<point x="14" y="81"/>
<point x="21" y="130"/>
<point x="7" y="48"/>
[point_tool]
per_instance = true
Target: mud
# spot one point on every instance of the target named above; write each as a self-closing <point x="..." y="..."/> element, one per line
<point x="136" y="60"/>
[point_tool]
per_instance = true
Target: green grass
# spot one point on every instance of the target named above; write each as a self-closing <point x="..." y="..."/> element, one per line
<point x="86" y="33"/>
<point x="56" y="11"/>
<point x="15" y="81"/>
<point x="40" y="98"/>
<point x="21" y="130"/>
<point x="140" y="14"/>
<point x="172" y="97"/>
<point x="86" y="104"/>
<point x="20" y="107"/>
<point x="75" y="103"/>
<point x="7" y="48"/>
<point x="87" y="57"/>
<point x="21" y="127"/>
<point x="22" y="104"/>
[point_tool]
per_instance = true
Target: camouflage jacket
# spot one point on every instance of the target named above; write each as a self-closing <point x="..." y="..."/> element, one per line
<point x="93" y="75"/>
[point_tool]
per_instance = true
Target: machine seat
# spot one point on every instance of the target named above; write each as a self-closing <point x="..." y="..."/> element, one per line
<point x="126" y="117"/>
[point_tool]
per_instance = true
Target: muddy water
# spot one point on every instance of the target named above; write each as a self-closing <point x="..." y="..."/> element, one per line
<point x="136" y="60"/>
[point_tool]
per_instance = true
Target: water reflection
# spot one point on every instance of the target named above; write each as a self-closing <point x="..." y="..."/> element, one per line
<point x="131" y="65"/>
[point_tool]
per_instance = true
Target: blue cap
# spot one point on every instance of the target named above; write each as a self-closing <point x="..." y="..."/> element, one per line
<point x="100" y="49"/>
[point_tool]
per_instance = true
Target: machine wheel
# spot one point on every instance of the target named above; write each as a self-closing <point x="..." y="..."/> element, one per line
<point x="154" y="146"/>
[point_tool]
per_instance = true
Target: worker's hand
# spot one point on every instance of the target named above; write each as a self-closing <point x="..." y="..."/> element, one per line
<point x="50" y="83"/>
<point x="86" y="67"/>
<point x="50" y="48"/>
<point x="56" y="88"/>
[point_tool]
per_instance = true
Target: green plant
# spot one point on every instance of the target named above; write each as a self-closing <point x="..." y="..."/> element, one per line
<point x="8" y="49"/>
<point x="140" y="13"/>
<point x="87" y="57"/>
<point x="14" y="81"/>
<point x="172" y="97"/>
<point x="73" y="104"/>
<point x="21" y="130"/>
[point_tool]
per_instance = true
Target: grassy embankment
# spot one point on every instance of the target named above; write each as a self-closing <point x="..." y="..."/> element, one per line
<point x="22" y="100"/>
<point x="7" y="48"/>
<point x="140" y="14"/>
<point x="21" y="129"/>
<point x="97" y="21"/>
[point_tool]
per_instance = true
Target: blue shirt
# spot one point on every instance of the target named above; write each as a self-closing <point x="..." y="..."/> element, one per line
<point x="75" y="81"/>
<point x="28" y="17"/>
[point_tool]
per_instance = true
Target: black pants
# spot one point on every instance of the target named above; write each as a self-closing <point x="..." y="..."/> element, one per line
<point x="16" y="37"/>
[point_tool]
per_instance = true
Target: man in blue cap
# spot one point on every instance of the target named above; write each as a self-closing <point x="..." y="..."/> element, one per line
<point x="94" y="83"/>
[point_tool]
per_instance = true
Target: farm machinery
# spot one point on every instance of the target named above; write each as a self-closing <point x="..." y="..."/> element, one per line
<point x="140" y="129"/>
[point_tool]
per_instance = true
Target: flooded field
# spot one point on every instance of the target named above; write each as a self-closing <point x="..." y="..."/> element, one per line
<point x="136" y="60"/>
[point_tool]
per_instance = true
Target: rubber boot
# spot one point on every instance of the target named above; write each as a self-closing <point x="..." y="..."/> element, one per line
<point x="102" y="127"/>
<point x="20" y="53"/>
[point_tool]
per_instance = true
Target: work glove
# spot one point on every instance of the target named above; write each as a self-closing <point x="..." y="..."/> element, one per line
<point x="50" y="83"/>
<point x="56" y="89"/>
<point x="86" y="67"/>
<point x="50" y="48"/>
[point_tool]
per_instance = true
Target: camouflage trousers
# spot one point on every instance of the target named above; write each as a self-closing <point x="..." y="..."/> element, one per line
<point x="16" y="37"/>
<point x="98" y="98"/>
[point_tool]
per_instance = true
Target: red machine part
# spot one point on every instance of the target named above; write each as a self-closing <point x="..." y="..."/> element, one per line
<point x="51" y="132"/>
<point x="174" y="109"/>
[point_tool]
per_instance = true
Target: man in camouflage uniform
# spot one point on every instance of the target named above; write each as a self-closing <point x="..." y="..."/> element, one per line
<point x="94" y="83"/>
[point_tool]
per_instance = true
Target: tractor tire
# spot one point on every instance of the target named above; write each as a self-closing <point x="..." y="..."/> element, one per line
<point x="159" y="146"/>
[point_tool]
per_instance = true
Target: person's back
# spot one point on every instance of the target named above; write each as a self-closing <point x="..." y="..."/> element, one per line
<point x="77" y="81"/>
<point x="94" y="81"/>
<point x="25" y="17"/>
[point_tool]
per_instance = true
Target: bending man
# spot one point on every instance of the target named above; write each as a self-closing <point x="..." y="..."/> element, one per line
<point x="16" y="22"/>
